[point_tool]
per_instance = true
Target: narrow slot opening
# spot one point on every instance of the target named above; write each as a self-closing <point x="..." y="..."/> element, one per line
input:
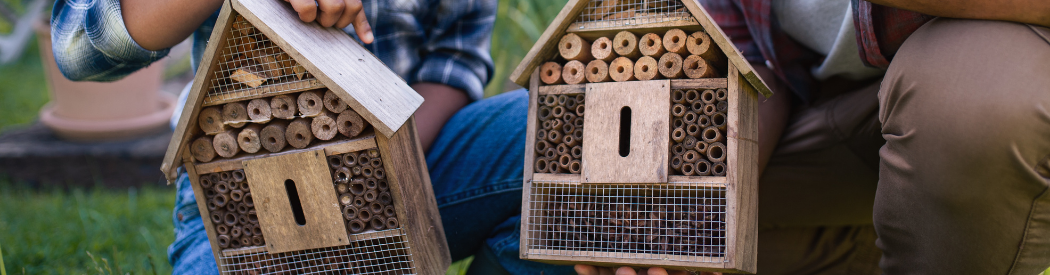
<point x="293" y="199"/>
<point x="625" y="131"/>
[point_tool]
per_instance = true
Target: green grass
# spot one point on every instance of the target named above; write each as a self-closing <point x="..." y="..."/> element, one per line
<point x="23" y="89"/>
<point x="519" y="23"/>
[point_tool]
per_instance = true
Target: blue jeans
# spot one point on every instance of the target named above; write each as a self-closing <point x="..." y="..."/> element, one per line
<point x="476" y="170"/>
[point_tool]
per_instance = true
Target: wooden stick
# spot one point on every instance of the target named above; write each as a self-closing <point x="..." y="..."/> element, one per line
<point x="333" y="103"/>
<point x="283" y="107"/>
<point x="235" y="114"/>
<point x="202" y="149"/>
<point x="550" y="73"/>
<point x="248" y="138"/>
<point x="298" y="133"/>
<point x="250" y="76"/>
<point x="674" y="42"/>
<point x="225" y="143"/>
<point x="310" y="104"/>
<point x="574" y="47"/>
<point x="697" y="67"/>
<point x="602" y="49"/>
<point x="605" y="8"/>
<point x="598" y="71"/>
<point x="621" y="69"/>
<point x="625" y="44"/>
<point x="272" y="136"/>
<point x="651" y="45"/>
<point x="210" y="120"/>
<point x="630" y="13"/>
<point x="646" y="68"/>
<point x="573" y="72"/>
<point x="349" y="123"/>
<point x="259" y="110"/>
<point x="324" y="126"/>
<point x="699" y="43"/>
<point x="671" y="65"/>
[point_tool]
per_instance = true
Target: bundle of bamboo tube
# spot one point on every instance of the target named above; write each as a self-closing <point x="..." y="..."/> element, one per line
<point x="559" y="141"/>
<point x="231" y="209"/>
<point x="649" y="224"/>
<point x="698" y="132"/>
<point x="626" y="57"/>
<point x="273" y="124"/>
<point x="363" y="191"/>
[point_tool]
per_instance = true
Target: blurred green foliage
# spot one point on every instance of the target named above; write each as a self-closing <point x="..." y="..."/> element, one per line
<point x="519" y="23"/>
<point x="23" y="88"/>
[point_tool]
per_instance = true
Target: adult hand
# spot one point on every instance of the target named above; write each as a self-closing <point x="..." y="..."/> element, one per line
<point x="335" y="13"/>
<point x="593" y="270"/>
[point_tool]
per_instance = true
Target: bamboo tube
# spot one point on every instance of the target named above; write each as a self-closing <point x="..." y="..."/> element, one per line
<point x="567" y="127"/>
<point x="357" y="187"/>
<point x="235" y="231"/>
<point x="216" y="216"/>
<point x="283" y="107"/>
<point x="562" y="149"/>
<point x="701" y="147"/>
<point x="691" y="96"/>
<point x="388" y="210"/>
<point x="550" y="100"/>
<point x="579" y="114"/>
<point x="333" y="103"/>
<point x="364" y="214"/>
<point x="237" y="175"/>
<point x="371" y="184"/>
<point x="702" y="167"/>
<point x="722" y="106"/>
<point x="718" y="169"/>
<point x="367" y="172"/>
<point x="272" y="136"/>
<point x="708" y="96"/>
<point x="323" y="126"/>
<point x="246" y="240"/>
<point x="230" y="219"/>
<point x="646" y="68"/>
<point x="676" y="162"/>
<point x="202" y="149"/>
<point x="541" y="146"/>
<point x="225" y="176"/>
<point x="573" y="47"/>
<point x="335" y="162"/>
<point x="341" y="175"/>
<point x="570" y="140"/>
<point x="259" y="110"/>
<point x="385" y="198"/>
<point x="678" y="110"/>
<point x="370" y="195"/>
<point x="575" y="166"/>
<point x="205" y="182"/>
<point x="224" y="241"/>
<point x="677" y="123"/>
<point x="257" y="240"/>
<point x="716" y="152"/>
<point x="310" y="104"/>
<point x="703" y="121"/>
<point x="221" y="227"/>
<point x="621" y="69"/>
<point x="577" y="152"/>
<point x="376" y="207"/>
<point x="350" y="159"/>
<point x="651" y="44"/>
<point x="693" y="130"/>
<point x="699" y="43"/>
<point x="363" y="159"/>
<point x="688" y="169"/>
<point x="225" y="144"/>
<point x="602" y="50"/>
<point x="573" y="72"/>
<point x="678" y="96"/>
<point x="689" y="141"/>
<point x="349" y="123"/>
<point x="554" y="136"/>
<point x="674" y="41"/>
<point x="690" y="156"/>
<point x="379" y="174"/>
<point x="721" y="94"/>
<point x="551" y="153"/>
<point x="696" y="67"/>
<point x="231" y="208"/>
<point x="712" y="135"/>
<point x="563" y="161"/>
<point x="248" y="201"/>
<point x="540" y="165"/>
<point x="550" y="73"/>
<point x="678" y="135"/>
<point x="210" y="120"/>
<point x="671" y="65"/>
<point x="356" y="226"/>
<point x="718" y="120"/>
<point x="378" y="223"/>
<point x="236" y="195"/>
<point x="391" y="223"/>
<point x="625" y="44"/>
<point x="235" y="114"/>
<point x="597" y="71"/>
<point x="689" y="118"/>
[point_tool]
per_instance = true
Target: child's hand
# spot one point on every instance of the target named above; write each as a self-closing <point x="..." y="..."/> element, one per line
<point x="337" y="13"/>
<point x="593" y="270"/>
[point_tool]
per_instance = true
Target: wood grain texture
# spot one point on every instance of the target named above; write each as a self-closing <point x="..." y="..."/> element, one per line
<point x="742" y="175"/>
<point x="333" y="147"/>
<point x="621" y="69"/>
<point x="628" y="24"/>
<point x="267" y="90"/>
<point x="671" y="65"/>
<point x="356" y="76"/>
<point x="530" y="156"/>
<point x="550" y="73"/>
<point x="573" y="72"/>
<point x="700" y="83"/>
<point x="646" y="161"/>
<point x="357" y="144"/>
<point x="625" y="44"/>
<point x="597" y="71"/>
<point x="646" y="68"/>
<point x="202" y="204"/>
<point x="572" y="47"/>
<point x="602" y="49"/>
<point x="546" y="46"/>
<point x="309" y="170"/>
<point x="562" y="89"/>
<point x="414" y="199"/>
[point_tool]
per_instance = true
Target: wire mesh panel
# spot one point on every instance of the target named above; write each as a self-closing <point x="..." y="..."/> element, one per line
<point x="619" y="13"/>
<point x="251" y="65"/>
<point x="662" y="221"/>
<point x="383" y="252"/>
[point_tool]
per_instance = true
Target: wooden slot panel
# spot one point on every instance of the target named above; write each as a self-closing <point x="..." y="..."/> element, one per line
<point x="699" y="83"/>
<point x="354" y="145"/>
<point x="264" y="91"/>
<point x="332" y="147"/>
<point x="648" y="103"/>
<point x="562" y="89"/>
<point x="319" y="221"/>
<point x="742" y="174"/>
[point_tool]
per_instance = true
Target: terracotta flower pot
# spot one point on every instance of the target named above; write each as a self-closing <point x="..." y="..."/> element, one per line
<point x="98" y="111"/>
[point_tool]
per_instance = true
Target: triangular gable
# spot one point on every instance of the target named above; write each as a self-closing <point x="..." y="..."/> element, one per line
<point x="295" y="56"/>
<point x="575" y="14"/>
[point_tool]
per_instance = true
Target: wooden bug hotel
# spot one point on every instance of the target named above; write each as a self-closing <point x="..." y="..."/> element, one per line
<point x="301" y="149"/>
<point x="642" y="140"/>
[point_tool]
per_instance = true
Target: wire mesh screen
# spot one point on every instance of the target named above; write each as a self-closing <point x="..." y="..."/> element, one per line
<point x="618" y="13"/>
<point x="384" y="252"/>
<point x="251" y="65"/>
<point x="664" y="221"/>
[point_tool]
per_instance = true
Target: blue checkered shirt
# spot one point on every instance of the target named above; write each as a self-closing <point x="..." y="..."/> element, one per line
<point x="439" y="41"/>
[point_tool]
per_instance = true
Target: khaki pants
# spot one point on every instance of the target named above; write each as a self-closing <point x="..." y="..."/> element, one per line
<point x="944" y="169"/>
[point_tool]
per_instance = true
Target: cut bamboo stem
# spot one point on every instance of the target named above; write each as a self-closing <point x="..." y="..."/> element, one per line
<point x="692" y="96"/>
<point x="708" y="96"/>
<point x="349" y="123"/>
<point x="718" y="169"/>
<point x="235" y="114"/>
<point x="573" y="72"/>
<point x="625" y="44"/>
<point x="651" y="44"/>
<point x="298" y="133"/>
<point x="310" y="104"/>
<point x="701" y="147"/>
<point x="550" y="73"/>
<point x="225" y="144"/>
<point x="696" y="67"/>
<point x="324" y="126"/>
<point x="202" y="149"/>
<point x="283" y="107"/>
<point x="671" y="65"/>
<point x="674" y="41"/>
<point x="210" y="120"/>
<point x="621" y="69"/>
<point x="602" y="49"/>
<point x="718" y="120"/>
<point x="702" y="168"/>
<point x="272" y="136"/>
<point x="716" y="152"/>
<point x="721" y="94"/>
<point x="574" y="47"/>
<point x="598" y="71"/>
<point x="646" y="68"/>
<point x="678" y="110"/>
<point x="259" y="110"/>
<point x="333" y="103"/>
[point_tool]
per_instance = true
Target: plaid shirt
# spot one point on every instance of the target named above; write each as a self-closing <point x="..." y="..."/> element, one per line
<point x="439" y="41"/>
<point x="749" y="23"/>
